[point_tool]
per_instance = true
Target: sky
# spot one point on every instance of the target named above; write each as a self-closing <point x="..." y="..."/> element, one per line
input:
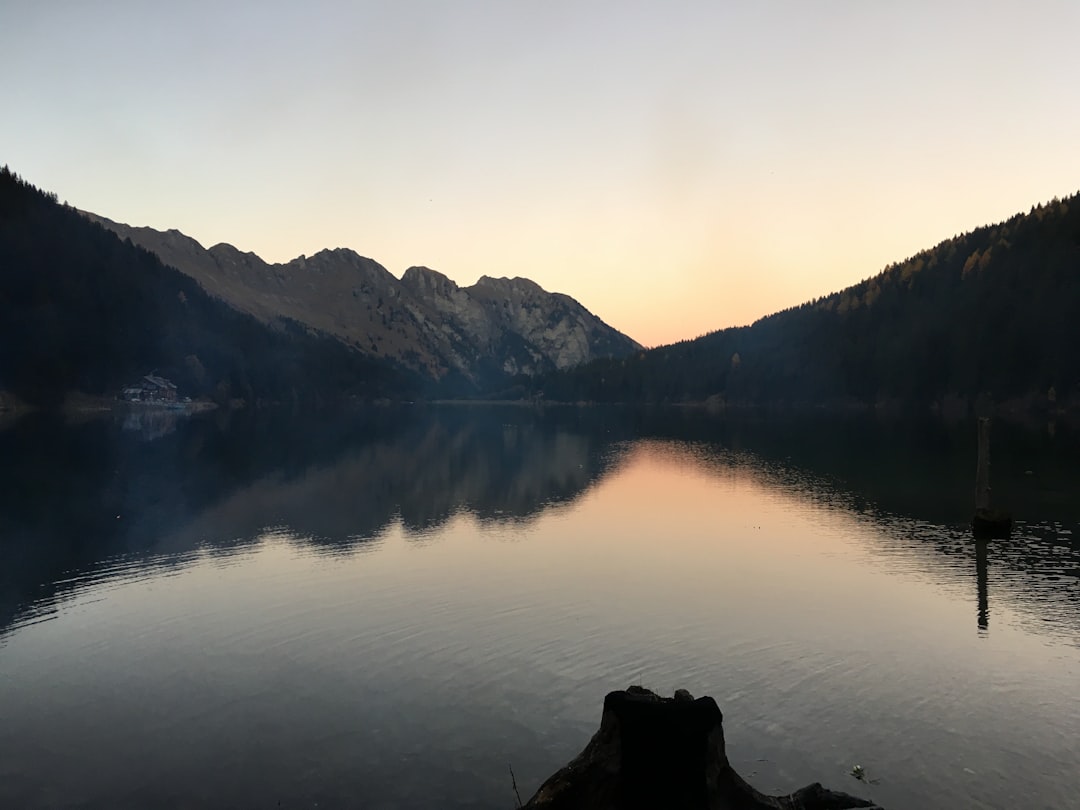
<point x="677" y="167"/>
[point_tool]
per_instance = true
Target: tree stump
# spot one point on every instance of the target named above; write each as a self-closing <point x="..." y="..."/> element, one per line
<point x="654" y="753"/>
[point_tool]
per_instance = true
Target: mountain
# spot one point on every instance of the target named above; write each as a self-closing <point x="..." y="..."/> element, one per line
<point x="83" y="311"/>
<point x="462" y="336"/>
<point x="992" y="312"/>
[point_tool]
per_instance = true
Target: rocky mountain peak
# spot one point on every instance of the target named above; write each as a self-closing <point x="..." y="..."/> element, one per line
<point x="225" y="249"/>
<point x="424" y="279"/>
<point x="338" y="257"/>
<point x="521" y="286"/>
<point x="424" y="321"/>
<point x="224" y="253"/>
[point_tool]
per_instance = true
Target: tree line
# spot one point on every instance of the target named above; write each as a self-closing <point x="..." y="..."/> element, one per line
<point x="993" y="312"/>
<point x="83" y="311"/>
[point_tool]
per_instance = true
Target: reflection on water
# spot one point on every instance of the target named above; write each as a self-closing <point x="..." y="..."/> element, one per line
<point x="981" y="548"/>
<point x="150" y="423"/>
<point x="74" y="497"/>
<point x="384" y="608"/>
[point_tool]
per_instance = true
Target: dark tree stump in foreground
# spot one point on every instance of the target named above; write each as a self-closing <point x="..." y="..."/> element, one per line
<point x="653" y="752"/>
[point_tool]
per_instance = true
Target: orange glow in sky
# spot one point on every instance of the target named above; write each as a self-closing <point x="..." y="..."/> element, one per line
<point x="677" y="168"/>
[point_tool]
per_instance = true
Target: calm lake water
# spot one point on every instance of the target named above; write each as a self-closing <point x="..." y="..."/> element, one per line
<point x="391" y="608"/>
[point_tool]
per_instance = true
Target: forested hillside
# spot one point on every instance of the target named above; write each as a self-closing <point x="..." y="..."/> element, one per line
<point x="83" y="311"/>
<point x="995" y="311"/>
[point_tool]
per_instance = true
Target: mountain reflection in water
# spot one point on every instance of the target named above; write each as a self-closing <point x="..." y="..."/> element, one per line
<point x="764" y="560"/>
<point x="76" y="496"/>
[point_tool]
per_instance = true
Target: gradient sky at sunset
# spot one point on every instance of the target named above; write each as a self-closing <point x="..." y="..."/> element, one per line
<point x="677" y="167"/>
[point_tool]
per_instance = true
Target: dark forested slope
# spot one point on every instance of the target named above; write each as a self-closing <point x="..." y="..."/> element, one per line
<point x="994" y="311"/>
<point x="81" y="310"/>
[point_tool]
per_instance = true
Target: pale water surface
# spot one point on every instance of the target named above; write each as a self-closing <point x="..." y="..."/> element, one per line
<point x="389" y="609"/>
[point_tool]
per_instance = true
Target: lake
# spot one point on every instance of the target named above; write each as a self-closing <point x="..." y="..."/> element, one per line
<point x="391" y="608"/>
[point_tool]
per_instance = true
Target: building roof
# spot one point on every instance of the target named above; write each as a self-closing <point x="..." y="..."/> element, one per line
<point x="159" y="382"/>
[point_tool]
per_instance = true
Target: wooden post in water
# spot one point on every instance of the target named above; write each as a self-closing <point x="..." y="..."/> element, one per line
<point x="987" y="523"/>
<point x="982" y="469"/>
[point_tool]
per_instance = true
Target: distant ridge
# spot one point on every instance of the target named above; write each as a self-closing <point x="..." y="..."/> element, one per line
<point x="993" y="312"/>
<point x="84" y="313"/>
<point x="424" y="321"/>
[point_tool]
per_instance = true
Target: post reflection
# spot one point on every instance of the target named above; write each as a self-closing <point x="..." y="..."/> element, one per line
<point x="983" y="589"/>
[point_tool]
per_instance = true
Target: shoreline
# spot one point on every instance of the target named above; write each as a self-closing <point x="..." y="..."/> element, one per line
<point x="83" y="405"/>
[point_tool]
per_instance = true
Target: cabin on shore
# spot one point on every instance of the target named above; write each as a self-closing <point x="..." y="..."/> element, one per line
<point x="151" y="388"/>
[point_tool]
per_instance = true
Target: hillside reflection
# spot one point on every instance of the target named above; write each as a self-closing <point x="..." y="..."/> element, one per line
<point x="911" y="482"/>
<point x="74" y="498"/>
